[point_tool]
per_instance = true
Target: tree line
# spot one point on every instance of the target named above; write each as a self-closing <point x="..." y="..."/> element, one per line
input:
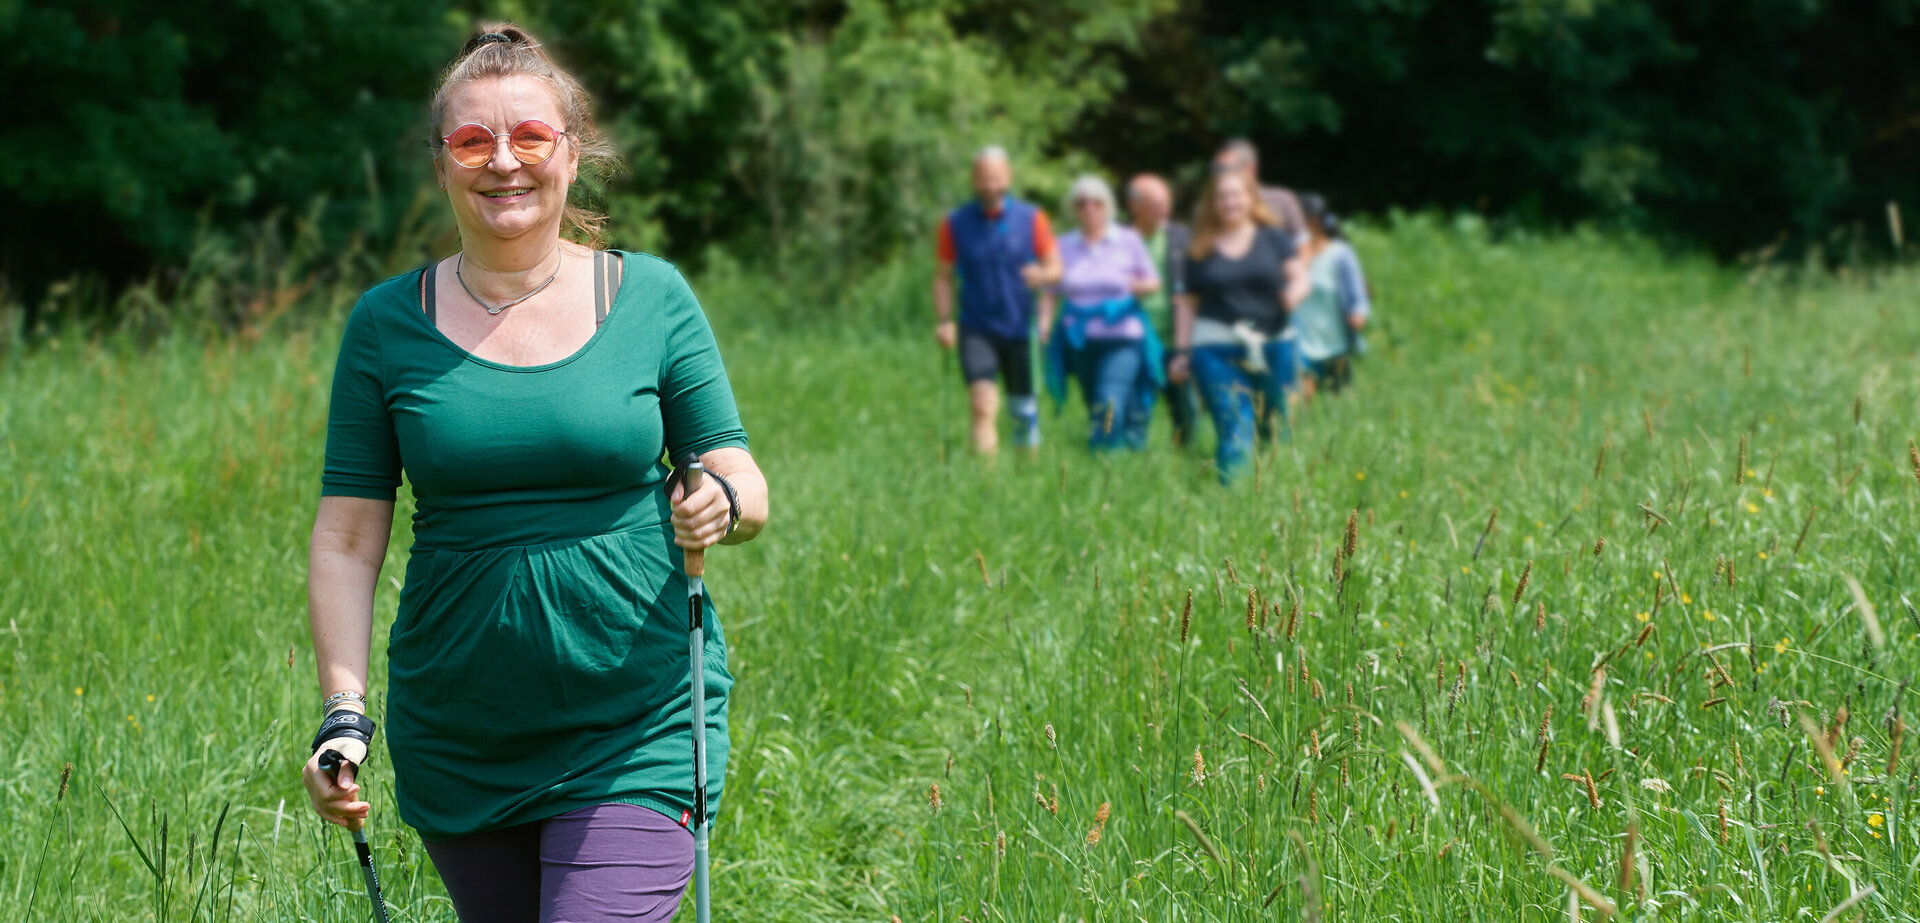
<point x="824" y="136"/>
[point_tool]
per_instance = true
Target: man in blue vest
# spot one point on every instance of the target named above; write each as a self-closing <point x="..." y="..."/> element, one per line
<point x="1002" y="250"/>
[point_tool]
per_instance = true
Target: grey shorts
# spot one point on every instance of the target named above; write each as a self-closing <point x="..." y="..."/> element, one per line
<point x="984" y="357"/>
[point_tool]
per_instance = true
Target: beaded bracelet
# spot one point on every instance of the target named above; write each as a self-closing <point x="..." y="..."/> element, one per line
<point x="340" y="698"/>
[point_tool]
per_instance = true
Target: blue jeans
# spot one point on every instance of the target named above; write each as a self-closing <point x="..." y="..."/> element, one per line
<point x="1109" y="372"/>
<point x="1243" y="405"/>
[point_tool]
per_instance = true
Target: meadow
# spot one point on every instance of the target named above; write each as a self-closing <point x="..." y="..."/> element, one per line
<point x="1595" y="596"/>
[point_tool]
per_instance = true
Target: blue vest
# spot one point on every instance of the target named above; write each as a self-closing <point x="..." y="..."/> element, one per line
<point x="988" y="254"/>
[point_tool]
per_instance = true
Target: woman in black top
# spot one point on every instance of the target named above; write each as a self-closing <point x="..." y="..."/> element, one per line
<point x="1230" y="328"/>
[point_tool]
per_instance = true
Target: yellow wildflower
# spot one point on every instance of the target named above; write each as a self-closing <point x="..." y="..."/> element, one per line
<point x="1780" y="646"/>
<point x="1876" y="819"/>
<point x="1820" y="790"/>
<point x="1359" y="475"/>
<point x="1708" y="613"/>
<point x="1763" y="556"/>
<point x="1686" y="599"/>
<point x="1753" y="507"/>
<point x="1641" y="616"/>
<point x="1403" y="495"/>
<point x="79" y="690"/>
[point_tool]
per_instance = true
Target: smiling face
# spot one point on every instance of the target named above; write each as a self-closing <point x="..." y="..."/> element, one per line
<point x="505" y="199"/>
<point x="1232" y="200"/>
<point x="1091" y="211"/>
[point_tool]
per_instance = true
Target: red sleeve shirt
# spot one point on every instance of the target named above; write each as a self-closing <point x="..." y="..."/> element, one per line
<point x="1043" y="242"/>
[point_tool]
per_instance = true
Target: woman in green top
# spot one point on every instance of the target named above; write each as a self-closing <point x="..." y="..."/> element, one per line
<point x="538" y="701"/>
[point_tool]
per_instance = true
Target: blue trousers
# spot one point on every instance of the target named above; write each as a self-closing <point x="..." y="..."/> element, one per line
<point x="1110" y="372"/>
<point x="1244" y="405"/>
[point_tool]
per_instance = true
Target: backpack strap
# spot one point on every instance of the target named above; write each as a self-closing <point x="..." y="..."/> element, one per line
<point x="427" y="304"/>
<point x="600" y="287"/>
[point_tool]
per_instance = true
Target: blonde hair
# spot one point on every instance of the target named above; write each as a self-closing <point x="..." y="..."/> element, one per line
<point x="1206" y="217"/>
<point x="502" y="50"/>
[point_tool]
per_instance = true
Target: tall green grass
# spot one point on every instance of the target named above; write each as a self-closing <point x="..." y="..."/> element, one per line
<point x="915" y="617"/>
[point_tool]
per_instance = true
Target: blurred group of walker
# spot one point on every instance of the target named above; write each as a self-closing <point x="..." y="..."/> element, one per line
<point x="1258" y="305"/>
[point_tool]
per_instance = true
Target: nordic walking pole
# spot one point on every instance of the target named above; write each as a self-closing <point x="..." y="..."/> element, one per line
<point x="330" y="762"/>
<point x="696" y="568"/>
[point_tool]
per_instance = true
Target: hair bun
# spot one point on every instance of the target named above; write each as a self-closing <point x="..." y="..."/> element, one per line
<point x="502" y="34"/>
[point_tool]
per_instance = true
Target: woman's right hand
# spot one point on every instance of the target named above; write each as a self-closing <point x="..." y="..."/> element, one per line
<point x="336" y="796"/>
<point x="1178" y="369"/>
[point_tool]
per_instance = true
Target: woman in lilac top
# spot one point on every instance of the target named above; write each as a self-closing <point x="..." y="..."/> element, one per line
<point x="1101" y="336"/>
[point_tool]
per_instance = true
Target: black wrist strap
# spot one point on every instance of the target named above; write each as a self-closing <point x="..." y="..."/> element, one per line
<point x="733" y="501"/>
<point x="344" y="723"/>
<point x="733" y="497"/>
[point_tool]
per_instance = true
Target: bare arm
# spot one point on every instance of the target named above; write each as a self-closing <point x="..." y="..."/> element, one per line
<point x="1052" y="269"/>
<point x="349" y="545"/>
<point x="1049" y="303"/>
<point x="943" y="329"/>
<point x="1185" y="308"/>
<point x="943" y="294"/>
<point x="1299" y="283"/>
<point x="701" y="521"/>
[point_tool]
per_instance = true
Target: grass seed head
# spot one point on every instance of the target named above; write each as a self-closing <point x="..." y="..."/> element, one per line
<point x="933" y="798"/>
<point x="1253" y="609"/>
<point x="66" y="775"/>
<point x="1352" y="542"/>
<point x="1052" y="739"/>
<point x="1186" y="617"/>
<point x="1199" y="767"/>
<point x="1740" y="468"/>
<point x="1913" y="456"/>
<point x="1521" y="588"/>
<point x="1626" y="857"/>
<point x="1599" y="545"/>
<point x="1725" y="828"/>
<point x="1099" y="823"/>
<point x="999" y="847"/>
<point x="1539" y="618"/>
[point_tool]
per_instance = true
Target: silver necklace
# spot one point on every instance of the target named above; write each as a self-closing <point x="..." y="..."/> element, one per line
<point x="460" y="261"/>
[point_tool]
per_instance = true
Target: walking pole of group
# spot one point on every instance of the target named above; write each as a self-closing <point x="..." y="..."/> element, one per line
<point x="330" y="762"/>
<point x="696" y="568"/>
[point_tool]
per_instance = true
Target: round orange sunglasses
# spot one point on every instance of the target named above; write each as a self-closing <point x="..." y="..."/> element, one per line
<point x="532" y="142"/>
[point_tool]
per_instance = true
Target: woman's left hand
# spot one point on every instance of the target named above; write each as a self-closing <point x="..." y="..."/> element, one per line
<point x="700" y="521"/>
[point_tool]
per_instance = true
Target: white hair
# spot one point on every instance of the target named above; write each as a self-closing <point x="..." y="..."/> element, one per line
<point x="1088" y="186"/>
<point x="991" y="152"/>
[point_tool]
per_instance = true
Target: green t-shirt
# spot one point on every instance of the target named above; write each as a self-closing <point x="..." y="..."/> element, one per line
<point x="1159" y="305"/>
<point x="538" y="662"/>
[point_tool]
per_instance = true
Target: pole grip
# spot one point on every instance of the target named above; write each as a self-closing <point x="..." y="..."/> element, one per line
<point x="691" y="476"/>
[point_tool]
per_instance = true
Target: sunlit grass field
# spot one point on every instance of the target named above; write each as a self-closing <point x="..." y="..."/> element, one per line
<point x="1596" y="595"/>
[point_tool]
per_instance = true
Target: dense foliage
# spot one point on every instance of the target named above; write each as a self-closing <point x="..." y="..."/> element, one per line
<point x="822" y="135"/>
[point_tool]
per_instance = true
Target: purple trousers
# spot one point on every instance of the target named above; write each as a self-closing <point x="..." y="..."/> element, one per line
<point x="594" y="865"/>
